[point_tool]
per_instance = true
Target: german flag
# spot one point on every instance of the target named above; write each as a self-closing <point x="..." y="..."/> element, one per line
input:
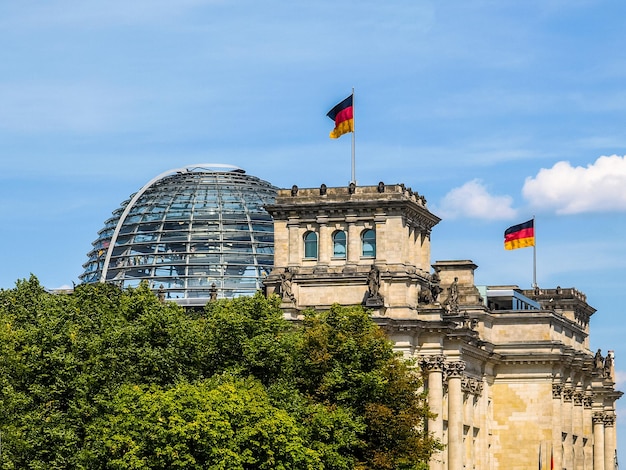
<point x="520" y="236"/>
<point x="343" y="116"/>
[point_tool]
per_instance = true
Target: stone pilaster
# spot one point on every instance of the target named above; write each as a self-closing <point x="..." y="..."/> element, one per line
<point x="557" y="424"/>
<point x="588" y="430"/>
<point x="609" y="441"/>
<point x="354" y="242"/>
<point x="577" y="429"/>
<point x="568" y="443"/>
<point x="324" y="243"/>
<point x="472" y="391"/>
<point x="295" y="249"/>
<point x="455" y="415"/>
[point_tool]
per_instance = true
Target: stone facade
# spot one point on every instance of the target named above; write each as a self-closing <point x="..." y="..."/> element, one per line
<point x="508" y="371"/>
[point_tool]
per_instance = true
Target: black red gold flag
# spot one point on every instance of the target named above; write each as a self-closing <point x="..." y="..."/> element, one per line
<point x="343" y="116"/>
<point x="520" y="235"/>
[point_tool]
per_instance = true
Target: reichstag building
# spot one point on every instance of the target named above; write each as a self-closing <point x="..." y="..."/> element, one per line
<point x="508" y="371"/>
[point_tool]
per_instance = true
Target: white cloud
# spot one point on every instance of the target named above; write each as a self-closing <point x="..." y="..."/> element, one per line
<point x="599" y="187"/>
<point x="472" y="200"/>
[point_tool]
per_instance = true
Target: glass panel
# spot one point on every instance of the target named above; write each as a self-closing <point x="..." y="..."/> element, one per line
<point x="199" y="247"/>
<point x="199" y="270"/>
<point x="176" y="225"/>
<point x="257" y="227"/>
<point x="310" y="245"/>
<point x="199" y="281"/>
<point x="174" y="236"/>
<point x="213" y="216"/>
<point x="152" y="216"/>
<point x="205" y="227"/>
<point x="339" y="244"/>
<point x="146" y="237"/>
<point x="258" y="217"/>
<point x="150" y="227"/>
<point x="235" y="226"/>
<point x="204" y="258"/>
<point x="165" y="271"/>
<point x="233" y="207"/>
<point x="237" y="248"/>
<point x="175" y="247"/>
<point x="368" y="242"/>
<point x="176" y="215"/>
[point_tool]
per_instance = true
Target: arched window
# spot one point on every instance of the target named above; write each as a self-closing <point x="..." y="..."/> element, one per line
<point x="339" y="244"/>
<point x="310" y="245"/>
<point x="368" y="243"/>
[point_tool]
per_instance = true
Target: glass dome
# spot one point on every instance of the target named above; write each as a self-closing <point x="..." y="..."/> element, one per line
<point x="190" y="232"/>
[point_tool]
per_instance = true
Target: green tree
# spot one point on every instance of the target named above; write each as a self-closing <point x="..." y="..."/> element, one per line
<point x="106" y="378"/>
<point x="345" y="359"/>
<point x="227" y="423"/>
<point x="249" y="336"/>
<point x="63" y="357"/>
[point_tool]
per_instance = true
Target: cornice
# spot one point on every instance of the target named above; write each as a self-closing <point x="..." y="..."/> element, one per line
<point x="308" y="204"/>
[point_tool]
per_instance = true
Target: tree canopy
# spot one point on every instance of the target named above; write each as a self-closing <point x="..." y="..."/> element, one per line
<point x="111" y="379"/>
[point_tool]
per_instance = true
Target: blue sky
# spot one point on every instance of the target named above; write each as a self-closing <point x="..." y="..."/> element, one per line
<point x="494" y="110"/>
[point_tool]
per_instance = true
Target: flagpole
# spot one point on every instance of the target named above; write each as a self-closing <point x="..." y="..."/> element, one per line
<point x="353" y="140"/>
<point x="534" y="254"/>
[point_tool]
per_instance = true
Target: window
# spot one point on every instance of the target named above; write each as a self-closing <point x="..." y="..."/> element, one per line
<point x="339" y="244"/>
<point x="368" y="243"/>
<point x="310" y="245"/>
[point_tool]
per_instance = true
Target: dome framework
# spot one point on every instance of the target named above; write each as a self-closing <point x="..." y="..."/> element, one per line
<point x="189" y="232"/>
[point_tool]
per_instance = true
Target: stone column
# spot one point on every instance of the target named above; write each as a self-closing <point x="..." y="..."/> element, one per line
<point x="577" y="430"/>
<point x="296" y="245"/>
<point x="568" y="444"/>
<point x="455" y="415"/>
<point x="609" y="441"/>
<point x="557" y="423"/>
<point x="598" y="441"/>
<point x="468" y="419"/>
<point x="482" y="457"/>
<point x="433" y="366"/>
<point x="588" y="430"/>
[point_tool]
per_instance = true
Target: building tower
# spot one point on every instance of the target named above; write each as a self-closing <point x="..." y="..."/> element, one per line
<point x="368" y="244"/>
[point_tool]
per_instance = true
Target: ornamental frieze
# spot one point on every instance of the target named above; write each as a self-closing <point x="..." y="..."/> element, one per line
<point x="471" y="386"/>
